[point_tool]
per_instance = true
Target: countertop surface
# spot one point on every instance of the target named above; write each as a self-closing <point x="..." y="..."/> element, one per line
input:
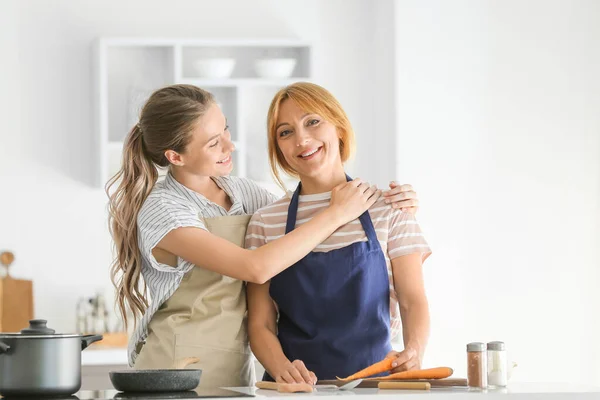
<point x="104" y="356"/>
<point x="525" y="391"/>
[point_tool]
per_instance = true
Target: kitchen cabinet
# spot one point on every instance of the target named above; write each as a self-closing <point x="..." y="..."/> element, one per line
<point x="95" y="377"/>
<point x="128" y="70"/>
<point x="96" y="363"/>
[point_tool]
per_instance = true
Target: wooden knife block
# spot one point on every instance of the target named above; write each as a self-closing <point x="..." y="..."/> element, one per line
<point x="16" y="304"/>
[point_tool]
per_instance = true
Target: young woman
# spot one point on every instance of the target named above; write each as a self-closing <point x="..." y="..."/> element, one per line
<point x="184" y="236"/>
<point x="334" y="312"/>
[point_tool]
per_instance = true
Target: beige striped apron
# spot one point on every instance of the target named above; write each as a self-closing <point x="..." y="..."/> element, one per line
<point x="205" y="318"/>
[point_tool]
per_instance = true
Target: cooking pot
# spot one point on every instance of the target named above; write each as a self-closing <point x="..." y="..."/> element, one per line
<point x="38" y="361"/>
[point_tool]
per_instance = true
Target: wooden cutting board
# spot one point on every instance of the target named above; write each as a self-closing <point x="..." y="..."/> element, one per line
<point x="448" y="382"/>
<point x="16" y="304"/>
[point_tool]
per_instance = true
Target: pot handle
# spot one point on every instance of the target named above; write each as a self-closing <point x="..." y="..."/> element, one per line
<point x="4" y="348"/>
<point x="86" y="340"/>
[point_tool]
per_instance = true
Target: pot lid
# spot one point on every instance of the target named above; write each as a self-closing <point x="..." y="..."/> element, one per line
<point x="37" y="330"/>
<point x="37" y="327"/>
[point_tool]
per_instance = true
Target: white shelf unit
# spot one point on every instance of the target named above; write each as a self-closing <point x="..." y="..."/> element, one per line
<point x="128" y="70"/>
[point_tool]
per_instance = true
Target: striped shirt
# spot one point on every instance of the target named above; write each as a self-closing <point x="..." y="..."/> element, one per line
<point x="398" y="234"/>
<point x="169" y="206"/>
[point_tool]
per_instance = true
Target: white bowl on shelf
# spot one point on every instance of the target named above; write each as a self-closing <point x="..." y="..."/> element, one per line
<point x="216" y="68"/>
<point x="275" y="68"/>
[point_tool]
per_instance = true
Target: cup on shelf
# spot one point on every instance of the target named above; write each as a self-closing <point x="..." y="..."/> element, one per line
<point x="216" y="68"/>
<point x="275" y="68"/>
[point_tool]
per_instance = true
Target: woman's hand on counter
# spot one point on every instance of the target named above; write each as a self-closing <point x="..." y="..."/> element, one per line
<point x="405" y="360"/>
<point x="295" y="372"/>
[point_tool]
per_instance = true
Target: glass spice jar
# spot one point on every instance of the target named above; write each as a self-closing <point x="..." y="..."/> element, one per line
<point x="476" y="365"/>
<point x="497" y="364"/>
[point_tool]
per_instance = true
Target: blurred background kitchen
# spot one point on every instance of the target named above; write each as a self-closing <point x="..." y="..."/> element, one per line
<point x="489" y="108"/>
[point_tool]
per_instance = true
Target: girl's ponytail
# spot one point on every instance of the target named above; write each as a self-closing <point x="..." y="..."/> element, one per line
<point x="135" y="181"/>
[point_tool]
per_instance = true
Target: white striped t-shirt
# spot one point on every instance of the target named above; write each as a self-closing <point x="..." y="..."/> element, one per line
<point x="398" y="233"/>
<point x="169" y="206"/>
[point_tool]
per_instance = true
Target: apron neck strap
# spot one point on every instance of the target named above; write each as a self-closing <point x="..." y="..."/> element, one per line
<point x="364" y="218"/>
<point x="293" y="210"/>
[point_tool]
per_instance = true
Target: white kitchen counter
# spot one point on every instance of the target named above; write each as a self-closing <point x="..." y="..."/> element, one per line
<point x="97" y="358"/>
<point x="525" y="391"/>
<point x="106" y="356"/>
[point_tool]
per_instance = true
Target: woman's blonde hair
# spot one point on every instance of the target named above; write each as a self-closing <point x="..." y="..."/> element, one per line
<point x="312" y="99"/>
<point x="166" y="121"/>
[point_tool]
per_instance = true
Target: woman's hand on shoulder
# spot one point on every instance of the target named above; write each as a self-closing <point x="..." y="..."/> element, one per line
<point x="402" y="197"/>
<point x="350" y="199"/>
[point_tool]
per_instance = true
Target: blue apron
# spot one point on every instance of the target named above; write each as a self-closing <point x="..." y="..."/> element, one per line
<point x="334" y="306"/>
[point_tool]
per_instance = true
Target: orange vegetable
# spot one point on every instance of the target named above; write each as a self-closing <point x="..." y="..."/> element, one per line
<point x="377" y="368"/>
<point x="431" y="373"/>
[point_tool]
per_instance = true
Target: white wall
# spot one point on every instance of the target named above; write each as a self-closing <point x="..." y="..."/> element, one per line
<point x="499" y="128"/>
<point x="50" y="214"/>
<point x="9" y="82"/>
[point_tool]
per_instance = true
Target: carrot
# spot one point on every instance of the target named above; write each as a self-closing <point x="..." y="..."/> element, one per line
<point x="431" y="373"/>
<point x="377" y="368"/>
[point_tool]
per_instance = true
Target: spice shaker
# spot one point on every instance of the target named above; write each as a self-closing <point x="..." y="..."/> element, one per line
<point x="476" y="365"/>
<point x="497" y="364"/>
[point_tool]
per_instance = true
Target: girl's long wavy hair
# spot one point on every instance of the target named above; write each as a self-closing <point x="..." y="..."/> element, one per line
<point x="166" y="122"/>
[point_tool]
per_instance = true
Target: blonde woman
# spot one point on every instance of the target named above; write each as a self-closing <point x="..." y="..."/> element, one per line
<point x="334" y="312"/>
<point x="183" y="237"/>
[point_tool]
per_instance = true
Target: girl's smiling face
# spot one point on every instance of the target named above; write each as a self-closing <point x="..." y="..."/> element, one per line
<point x="210" y="148"/>
<point x="309" y="143"/>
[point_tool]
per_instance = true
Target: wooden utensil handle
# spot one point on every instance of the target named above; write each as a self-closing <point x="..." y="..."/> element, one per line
<point x="285" y="387"/>
<point x="183" y="363"/>
<point x="267" y="385"/>
<point x="7" y="258"/>
<point x="405" y="385"/>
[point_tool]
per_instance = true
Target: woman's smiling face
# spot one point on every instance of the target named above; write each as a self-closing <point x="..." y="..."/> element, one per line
<point x="309" y="143"/>
<point x="209" y="151"/>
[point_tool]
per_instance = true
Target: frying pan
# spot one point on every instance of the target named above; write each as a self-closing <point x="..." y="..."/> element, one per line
<point x="178" y="379"/>
<point x="156" y="395"/>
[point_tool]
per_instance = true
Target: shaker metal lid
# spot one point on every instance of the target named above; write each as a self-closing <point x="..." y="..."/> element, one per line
<point x="476" y="346"/>
<point x="496" y="346"/>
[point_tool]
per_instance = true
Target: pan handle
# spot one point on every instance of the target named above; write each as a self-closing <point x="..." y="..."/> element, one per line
<point x="86" y="340"/>
<point x="4" y="348"/>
